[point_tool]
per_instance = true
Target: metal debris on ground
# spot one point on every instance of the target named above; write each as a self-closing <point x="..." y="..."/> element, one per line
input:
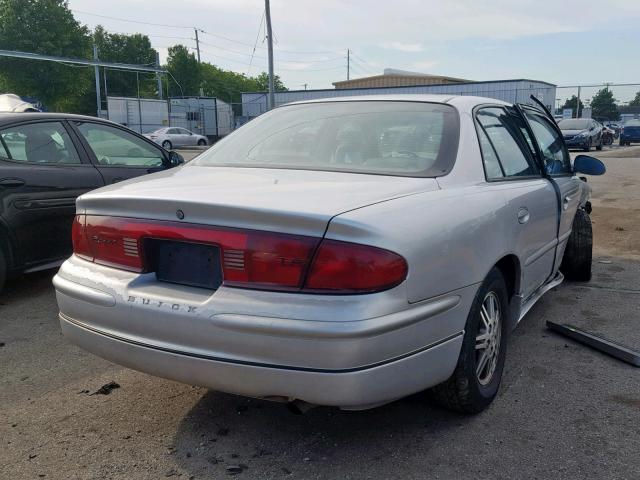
<point x="614" y="349"/>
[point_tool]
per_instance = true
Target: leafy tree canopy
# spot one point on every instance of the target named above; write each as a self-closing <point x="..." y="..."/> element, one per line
<point x="571" y="103"/>
<point x="47" y="27"/>
<point x="185" y="70"/>
<point x="636" y="101"/>
<point x="604" y="106"/>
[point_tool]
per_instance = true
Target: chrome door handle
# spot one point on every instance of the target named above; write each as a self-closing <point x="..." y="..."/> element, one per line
<point x="565" y="202"/>
<point x="523" y="215"/>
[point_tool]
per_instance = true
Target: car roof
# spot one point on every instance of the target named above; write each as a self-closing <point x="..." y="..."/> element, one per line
<point x="462" y="102"/>
<point x="8" y="118"/>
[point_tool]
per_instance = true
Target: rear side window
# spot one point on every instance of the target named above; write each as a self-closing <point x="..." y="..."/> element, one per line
<point x="556" y="159"/>
<point x="505" y="152"/>
<point x="115" y="147"/>
<point x="46" y="142"/>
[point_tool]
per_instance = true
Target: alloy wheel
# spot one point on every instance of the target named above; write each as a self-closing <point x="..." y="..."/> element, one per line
<point x="488" y="338"/>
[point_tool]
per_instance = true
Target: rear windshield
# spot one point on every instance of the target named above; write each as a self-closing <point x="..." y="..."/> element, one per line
<point x="379" y="137"/>
<point x="575" y="124"/>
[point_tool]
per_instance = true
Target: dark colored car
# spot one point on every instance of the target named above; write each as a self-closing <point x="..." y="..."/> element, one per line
<point x="46" y="161"/>
<point x="630" y="132"/>
<point x="582" y="133"/>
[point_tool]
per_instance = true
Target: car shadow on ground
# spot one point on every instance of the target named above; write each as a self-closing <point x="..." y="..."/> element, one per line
<point x="23" y="287"/>
<point x="224" y="431"/>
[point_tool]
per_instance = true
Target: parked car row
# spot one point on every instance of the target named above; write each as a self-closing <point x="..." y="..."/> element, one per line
<point x="46" y="162"/>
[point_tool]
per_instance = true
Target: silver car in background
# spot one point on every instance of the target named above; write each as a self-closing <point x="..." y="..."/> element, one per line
<point x="173" y="137"/>
<point x="343" y="252"/>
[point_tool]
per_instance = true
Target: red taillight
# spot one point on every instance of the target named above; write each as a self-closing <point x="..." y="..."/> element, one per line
<point x="341" y="267"/>
<point x="79" y="238"/>
<point x="249" y="258"/>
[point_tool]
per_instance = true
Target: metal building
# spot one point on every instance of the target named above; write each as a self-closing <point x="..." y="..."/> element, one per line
<point x="514" y="91"/>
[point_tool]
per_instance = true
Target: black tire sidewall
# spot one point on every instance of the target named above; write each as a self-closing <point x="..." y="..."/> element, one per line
<point x="482" y="395"/>
<point x="3" y="270"/>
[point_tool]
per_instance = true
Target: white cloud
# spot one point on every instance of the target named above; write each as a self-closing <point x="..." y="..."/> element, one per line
<point x="403" y="47"/>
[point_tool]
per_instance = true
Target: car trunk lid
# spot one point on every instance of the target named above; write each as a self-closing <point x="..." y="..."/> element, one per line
<point x="278" y="200"/>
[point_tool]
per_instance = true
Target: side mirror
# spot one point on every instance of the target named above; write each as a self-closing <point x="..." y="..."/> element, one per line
<point x="175" y="158"/>
<point x="588" y="165"/>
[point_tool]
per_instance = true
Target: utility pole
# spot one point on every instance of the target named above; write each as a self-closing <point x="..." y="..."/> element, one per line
<point x="348" y="62"/>
<point x="267" y="15"/>
<point x="305" y="85"/>
<point x="97" y="72"/>
<point x="578" y="104"/>
<point x="201" y="92"/>
<point x="158" y="78"/>
<point x="197" y="44"/>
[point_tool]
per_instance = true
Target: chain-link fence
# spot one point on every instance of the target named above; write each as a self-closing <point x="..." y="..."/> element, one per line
<point x="566" y="102"/>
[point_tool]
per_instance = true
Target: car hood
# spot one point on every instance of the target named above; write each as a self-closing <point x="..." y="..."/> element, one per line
<point x="292" y="201"/>
<point x="573" y="132"/>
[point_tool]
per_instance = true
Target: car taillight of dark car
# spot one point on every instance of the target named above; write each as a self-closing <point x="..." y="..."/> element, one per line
<point x="247" y="258"/>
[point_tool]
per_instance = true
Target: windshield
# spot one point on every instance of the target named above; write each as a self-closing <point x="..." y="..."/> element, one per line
<point x="380" y="137"/>
<point x="574" y="124"/>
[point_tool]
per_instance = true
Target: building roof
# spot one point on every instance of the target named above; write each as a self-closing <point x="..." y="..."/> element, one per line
<point x="394" y="78"/>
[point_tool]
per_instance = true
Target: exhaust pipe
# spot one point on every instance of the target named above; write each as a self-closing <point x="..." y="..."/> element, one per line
<point x="299" y="407"/>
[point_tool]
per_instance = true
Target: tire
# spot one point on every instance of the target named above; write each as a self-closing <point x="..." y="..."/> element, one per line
<point x="3" y="270"/>
<point x="167" y="145"/>
<point x="466" y="391"/>
<point x="599" y="147"/>
<point x="202" y="142"/>
<point x="588" y="147"/>
<point x="576" y="262"/>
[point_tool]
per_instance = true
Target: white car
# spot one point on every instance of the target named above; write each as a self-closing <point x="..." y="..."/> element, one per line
<point x="171" y="137"/>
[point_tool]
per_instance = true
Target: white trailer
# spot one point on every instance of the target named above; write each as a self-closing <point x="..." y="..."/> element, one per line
<point x="203" y="115"/>
<point x="140" y="114"/>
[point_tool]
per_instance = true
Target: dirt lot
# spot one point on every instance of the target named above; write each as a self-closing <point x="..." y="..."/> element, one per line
<point x="563" y="411"/>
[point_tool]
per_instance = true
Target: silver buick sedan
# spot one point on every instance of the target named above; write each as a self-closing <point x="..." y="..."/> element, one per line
<point x="343" y="252"/>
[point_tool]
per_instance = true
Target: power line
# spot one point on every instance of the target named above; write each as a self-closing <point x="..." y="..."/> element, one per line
<point x="255" y="45"/>
<point x="128" y="20"/>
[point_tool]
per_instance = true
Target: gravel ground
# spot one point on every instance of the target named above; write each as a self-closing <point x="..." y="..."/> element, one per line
<point x="563" y="411"/>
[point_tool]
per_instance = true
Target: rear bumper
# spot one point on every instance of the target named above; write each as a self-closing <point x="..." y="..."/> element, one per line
<point x="350" y="388"/>
<point x="346" y="351"/>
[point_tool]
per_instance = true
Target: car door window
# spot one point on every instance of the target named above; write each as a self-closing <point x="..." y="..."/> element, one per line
<point x="46" y="142"/>
<point x="555" y="156"/>
<point x="505" y="152"/>
<point x="116" y="147"/>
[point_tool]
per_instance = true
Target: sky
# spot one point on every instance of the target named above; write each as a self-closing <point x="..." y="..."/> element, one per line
<point x="564" y="42"/>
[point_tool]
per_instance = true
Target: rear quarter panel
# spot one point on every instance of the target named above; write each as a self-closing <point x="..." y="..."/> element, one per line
<point x="450" y="238"/>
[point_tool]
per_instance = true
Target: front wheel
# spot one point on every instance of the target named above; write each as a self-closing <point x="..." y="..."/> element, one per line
<point x="202" y="142"/>
<point x="166" y="145"/>
<point x="588" y="147"/>
<point x="475" y="381"/>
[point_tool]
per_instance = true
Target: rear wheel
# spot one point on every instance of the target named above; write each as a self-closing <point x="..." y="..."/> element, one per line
<point x="576" y="262"/>
<point x="475" y="381"/>
<point x="202" y="142"/>
<point x="166" y="145"/>
<point x="3" y="269"/>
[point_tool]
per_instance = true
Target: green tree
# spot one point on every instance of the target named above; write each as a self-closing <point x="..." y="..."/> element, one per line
<point x="134" y="49"/>
<point x="571" y="103"/>
<point x="263" y="83"/>
<point x="636" y="101"/>
<point x="604" y="106"/>
<point x="46" y="27"/>
<point x="185" y="70"/>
